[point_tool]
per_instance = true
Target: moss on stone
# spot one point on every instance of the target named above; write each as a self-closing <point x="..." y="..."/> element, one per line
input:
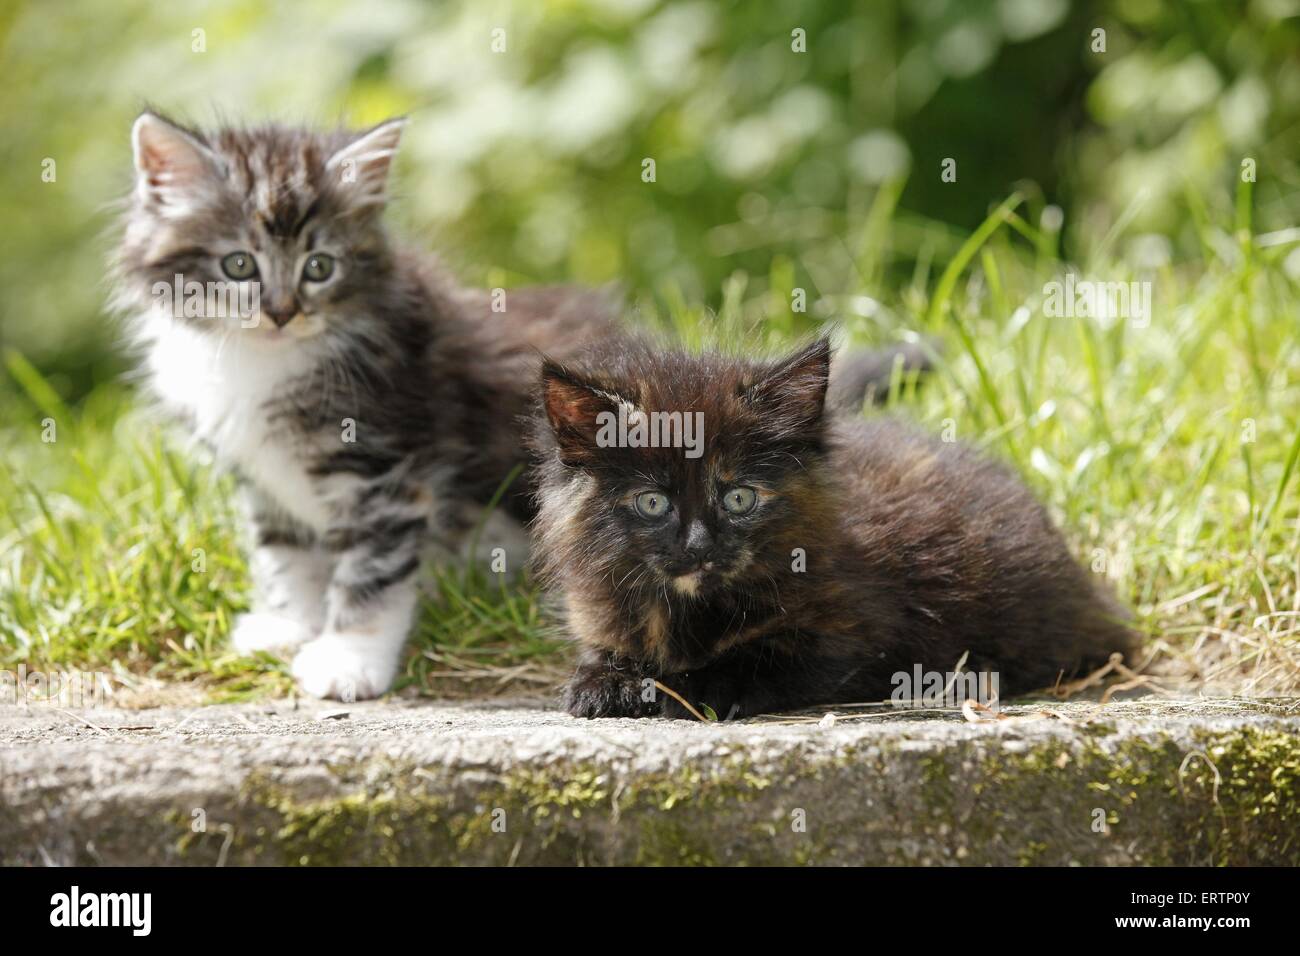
<point x="1043" y="804"/>
<point x="1037" y="803"/>
<point x="1214" y="795"/>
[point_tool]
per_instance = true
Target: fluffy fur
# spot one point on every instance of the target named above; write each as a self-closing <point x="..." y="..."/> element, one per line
<point x="915" y="551"/>
<point x="370" y="414"/>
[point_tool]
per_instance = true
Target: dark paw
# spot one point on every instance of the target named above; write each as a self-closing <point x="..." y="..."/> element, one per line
<point x="714" y="697"/>
<point x="611" y="693"/>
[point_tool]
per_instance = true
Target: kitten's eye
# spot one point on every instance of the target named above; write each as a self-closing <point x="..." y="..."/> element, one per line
<point x="318" y="267"/>
<point x="239" y="266"/>
<point x="740" y="501"/>
<point x="651" y="504"/>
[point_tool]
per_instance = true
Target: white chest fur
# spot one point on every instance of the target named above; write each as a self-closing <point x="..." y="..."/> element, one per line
<point x="223" y="386"/>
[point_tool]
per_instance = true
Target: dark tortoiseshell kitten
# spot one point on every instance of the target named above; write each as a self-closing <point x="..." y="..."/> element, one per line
<point x="370" y="406"/>
<point x="687" y="570"/>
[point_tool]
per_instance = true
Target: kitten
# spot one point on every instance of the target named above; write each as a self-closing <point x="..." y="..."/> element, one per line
<point x="369" y="406"/>
<point x="801" y="558"/>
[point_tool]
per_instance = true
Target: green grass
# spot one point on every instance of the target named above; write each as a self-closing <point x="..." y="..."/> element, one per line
<point x="120" y="552"/>
<point x="1168" y="453"/>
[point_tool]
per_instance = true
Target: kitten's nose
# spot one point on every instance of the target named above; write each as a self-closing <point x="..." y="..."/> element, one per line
<point x="281" y="313"/>
<point x="699" y="543"/>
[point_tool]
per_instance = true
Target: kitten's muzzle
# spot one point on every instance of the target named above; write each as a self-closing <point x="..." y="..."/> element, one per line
<point x="690" y="564"/>
<point x="282" y="314"/>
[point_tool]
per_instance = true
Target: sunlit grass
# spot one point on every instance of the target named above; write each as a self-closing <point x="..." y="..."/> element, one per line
<point x="1168" y="450"/>
<point x="121" y="552"/>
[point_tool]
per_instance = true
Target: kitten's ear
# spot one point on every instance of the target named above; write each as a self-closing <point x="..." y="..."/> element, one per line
<point x="794" y="389"/>
<point x="171" y="163"/>
<point x="362" y="165"/>
<point x="574" y="407"/>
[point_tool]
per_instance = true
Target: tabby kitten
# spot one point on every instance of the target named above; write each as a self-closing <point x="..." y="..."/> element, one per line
<point x="369" y="406"/>
<point x="801" y="559"/>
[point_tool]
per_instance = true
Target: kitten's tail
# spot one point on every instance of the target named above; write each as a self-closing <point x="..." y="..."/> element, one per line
<point x="864" y="376"/>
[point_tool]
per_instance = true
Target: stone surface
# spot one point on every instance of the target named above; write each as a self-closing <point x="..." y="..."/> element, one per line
<point x="1208" y="781"/>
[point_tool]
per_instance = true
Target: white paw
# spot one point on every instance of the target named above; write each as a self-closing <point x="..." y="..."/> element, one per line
<point x="346" y="667"/>
<point x="268" y="632"/>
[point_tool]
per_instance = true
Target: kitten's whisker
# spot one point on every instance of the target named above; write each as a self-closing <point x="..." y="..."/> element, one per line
<point x="776" y="589"/>
<point x="624" y="578"/>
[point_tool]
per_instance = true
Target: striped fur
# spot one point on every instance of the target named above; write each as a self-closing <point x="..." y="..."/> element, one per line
<point x="370" y="417"/>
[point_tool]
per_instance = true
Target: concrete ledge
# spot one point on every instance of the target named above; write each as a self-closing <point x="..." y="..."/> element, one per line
<point x="1140" y="782"/>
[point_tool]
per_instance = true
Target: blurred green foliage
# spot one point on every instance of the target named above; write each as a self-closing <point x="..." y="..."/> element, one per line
<point x="776" y="130"/>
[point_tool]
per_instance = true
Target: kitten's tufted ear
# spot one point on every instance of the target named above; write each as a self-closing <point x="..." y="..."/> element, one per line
<point x="362" y="165"/>
<point x="793" y="390"/>
<point x="575" y="408"/>
<point x="172" y="164"/>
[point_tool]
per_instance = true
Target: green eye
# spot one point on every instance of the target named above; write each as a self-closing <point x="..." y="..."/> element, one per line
<point x="318" y="267"/>
<point x="239" y="266"/>
<point x="740" y="501"/>
<point x="652" y="504"/>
